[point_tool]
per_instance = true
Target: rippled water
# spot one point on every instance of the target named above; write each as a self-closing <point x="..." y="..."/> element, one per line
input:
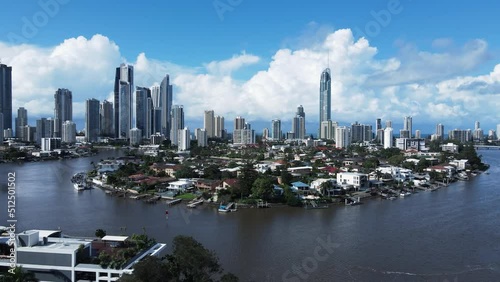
<point x="452" y="234"/>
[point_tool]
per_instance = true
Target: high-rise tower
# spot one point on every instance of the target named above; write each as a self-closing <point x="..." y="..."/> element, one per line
<point x="166" y="94"/>
<point x="299" y="123"/>
<point x="177" y="123"/>
<point x="276" y="132"/>
<point x="143" y="111"/>
<point x="92" y="120"/>
<point x="6" y="95"/>
<point x="325" y="96"/>
<point x="408" y="124"/>
<point x="209" y="123"/>
<point x="63" y="109"/>
<point x="124" y="88"/>
<point x="21" y="122"/>
<point x="106" y="118"/>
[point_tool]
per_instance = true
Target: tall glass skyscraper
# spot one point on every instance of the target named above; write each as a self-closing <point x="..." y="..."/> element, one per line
<point x="92" y="120"/>
<point x="6" y="95"/>
<point x="325" y="97"/>
<point x="177" y="123"/>
<point x="143" y="110"/>
<point x="166" y="94"/>
<point x="21" y="122"/>
<point x="299" y="123"/>
<point x="106" y="119"/>
<point x="63" y="109"/>
<point x="276" y="129"/>
<point x="124" y="87"/>
<point x="408" y="125"/>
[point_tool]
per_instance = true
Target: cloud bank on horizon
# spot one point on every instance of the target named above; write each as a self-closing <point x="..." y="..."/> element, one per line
<point x="431" y="87"/>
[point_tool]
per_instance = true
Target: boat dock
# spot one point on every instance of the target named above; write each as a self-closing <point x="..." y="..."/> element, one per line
<point x="173" y="202"/>
<point x="309" y="205"/>
<point x="194" y="203"/>
<point x="152" y="200"/>
<point x="262" y="204"/>
<point x="351" y="201"/>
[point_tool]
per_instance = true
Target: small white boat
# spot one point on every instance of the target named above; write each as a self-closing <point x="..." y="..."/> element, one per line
<point x="231" y="207"/>
<point x="79" y="186"/>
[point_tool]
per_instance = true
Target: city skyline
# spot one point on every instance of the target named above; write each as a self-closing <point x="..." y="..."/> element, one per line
<point x="391" y="71"/>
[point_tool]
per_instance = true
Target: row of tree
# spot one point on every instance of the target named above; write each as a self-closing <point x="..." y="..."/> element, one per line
<point x="190" y="261"/>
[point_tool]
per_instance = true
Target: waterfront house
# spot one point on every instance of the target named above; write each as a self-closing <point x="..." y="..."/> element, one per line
<point x="54" y="257"/>
<point x="169" y="169"/>
<point x="359" y="181"/>
<point x="180" y="186"/>
<point x="207" y="184"/>
<point x="459" y="164"/>
<point x="108" y="166"/>
<point x="448" y="170"/>
<point x="450" y="147"/>
<point x="317" y="186"/>
<point x="230" y="183"/>
<point x="299" y="186"/>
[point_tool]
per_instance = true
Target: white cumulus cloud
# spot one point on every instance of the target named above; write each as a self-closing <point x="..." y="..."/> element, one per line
<point x="432" y="86"/>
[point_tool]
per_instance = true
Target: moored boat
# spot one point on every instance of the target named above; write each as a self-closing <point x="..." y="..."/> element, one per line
<point x="79" y="186"/>
<point x="231" y="207"/>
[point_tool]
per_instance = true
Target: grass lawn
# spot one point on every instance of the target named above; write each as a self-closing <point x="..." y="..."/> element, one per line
<point x="187" y="196"/>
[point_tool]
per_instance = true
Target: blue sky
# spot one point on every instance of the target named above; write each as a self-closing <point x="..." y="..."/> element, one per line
<point x="184" y="37"/>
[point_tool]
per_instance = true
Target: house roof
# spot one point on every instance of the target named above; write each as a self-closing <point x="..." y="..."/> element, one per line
<point x="299" y="184"/>
<point x="330" y="169"/>
<point x="114" y="238"/>
<point x="231" y="181"/>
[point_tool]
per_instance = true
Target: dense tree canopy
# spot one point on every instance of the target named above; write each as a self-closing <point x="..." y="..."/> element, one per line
<point x="263" y="188"/>
<point x="212" y="172"/>
<point x="190" y="261"/>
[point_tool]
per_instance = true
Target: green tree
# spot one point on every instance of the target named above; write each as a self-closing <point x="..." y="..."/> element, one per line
<point x="212" y="172"/>
<point x="371" y="163"/>
<point x="469" y="153"/>
<point x="194" y="262"/>
<point x="263" y="188"/>
<point x="325" y="187"/>
<point x="396" y="159"/>
<point x="150" y="269"/>
<point x="100" y="233"/>
<point x="389" y="152"/>
<point x="422" y="164"/>
<point x="435" y="146"/>
<point x="286" y="177"/>
<point x="185" y="172"/>
<point x="291" y="198"/>
<point x="246" y="179"/>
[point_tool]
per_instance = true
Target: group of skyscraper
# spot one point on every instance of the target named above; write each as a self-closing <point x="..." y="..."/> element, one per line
<point x="156" y="116"/>
<point x="154" y="112"/>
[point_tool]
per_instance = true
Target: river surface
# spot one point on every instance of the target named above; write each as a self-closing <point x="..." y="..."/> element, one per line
<point x="452" y="234"/>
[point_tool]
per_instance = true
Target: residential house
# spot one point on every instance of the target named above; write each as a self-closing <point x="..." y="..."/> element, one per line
<point x="207" y="184"/>
<point x="359" y="181"/>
